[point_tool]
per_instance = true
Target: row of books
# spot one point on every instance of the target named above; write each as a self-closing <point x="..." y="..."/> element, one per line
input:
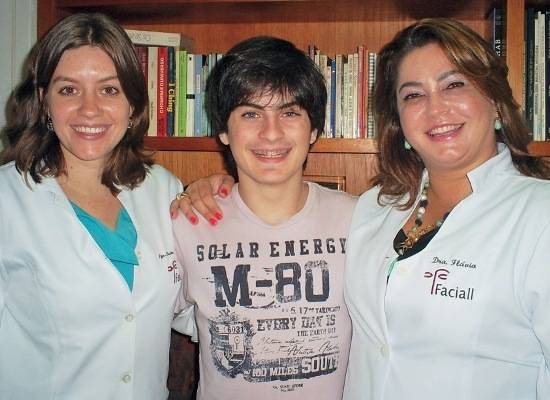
<point x="176" y="80"/>
<point x="537" y="73"/>
<point x="350" y="82"/>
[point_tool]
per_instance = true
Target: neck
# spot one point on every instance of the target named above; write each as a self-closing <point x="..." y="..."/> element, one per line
<point x="84" y="180"/>
<point x="448" y="188"/>
<point x="274" y="204"/>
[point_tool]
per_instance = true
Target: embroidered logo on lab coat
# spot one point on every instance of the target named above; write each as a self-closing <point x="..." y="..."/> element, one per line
<point x="440" y="288"/>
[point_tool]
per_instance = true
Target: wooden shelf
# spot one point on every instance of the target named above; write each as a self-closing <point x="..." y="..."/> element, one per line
<point x="540" y="149"/>
<point x="347" y="146"/>
<point x="210" y="144"/>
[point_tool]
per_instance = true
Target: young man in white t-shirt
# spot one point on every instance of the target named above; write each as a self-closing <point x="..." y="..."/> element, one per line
<point x="265" y="284"/>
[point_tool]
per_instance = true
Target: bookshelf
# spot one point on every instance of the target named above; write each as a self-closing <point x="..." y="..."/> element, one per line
<point x="333" y="26"/>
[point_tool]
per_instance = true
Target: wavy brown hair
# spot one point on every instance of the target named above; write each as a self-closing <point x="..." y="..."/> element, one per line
<point x="35" y="149"/>
<point x="400" y="169"/>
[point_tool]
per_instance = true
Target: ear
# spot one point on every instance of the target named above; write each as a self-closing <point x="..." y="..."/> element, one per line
<point x="313" y="136"/>
<point x="224" y="138"/>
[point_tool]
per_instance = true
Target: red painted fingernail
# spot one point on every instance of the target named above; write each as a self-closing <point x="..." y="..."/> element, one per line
<point x="194" y="220"/>
<point x="212" y="221"/>
<point x="223" y="192"/>
<point x="219" y="215"/>
<point x="172" y="214"/>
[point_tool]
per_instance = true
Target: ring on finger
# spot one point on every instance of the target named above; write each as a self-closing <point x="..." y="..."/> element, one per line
<point x="181" y="195"/>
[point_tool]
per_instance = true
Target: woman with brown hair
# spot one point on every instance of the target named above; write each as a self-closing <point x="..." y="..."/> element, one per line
<point x="88" y="279"/>
<point x="447" y="274"/>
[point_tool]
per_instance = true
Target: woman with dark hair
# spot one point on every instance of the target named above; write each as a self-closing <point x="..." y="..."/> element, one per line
<point x="88" y="279"/>
<point x="447" y="269"/>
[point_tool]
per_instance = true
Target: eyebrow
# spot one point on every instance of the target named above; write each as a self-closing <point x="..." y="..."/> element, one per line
<point x="259" y="107"/>
<point x="441" y="77"/>
<point x="69" y="79"/>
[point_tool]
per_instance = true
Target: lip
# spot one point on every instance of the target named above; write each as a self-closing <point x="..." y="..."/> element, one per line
<point x="444" y="132"/>
<point x="271" y="155"/>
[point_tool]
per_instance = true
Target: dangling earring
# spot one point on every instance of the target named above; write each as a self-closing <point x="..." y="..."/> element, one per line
<point x="49" y="124"/>
<point x="498" y="124"/>
<point x="130" y="123"/>
<point x="407" y="145"/>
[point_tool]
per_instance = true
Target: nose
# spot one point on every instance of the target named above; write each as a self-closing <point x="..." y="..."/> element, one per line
<point x="437" y="104"/>
<point x="271" y="128"/>
<point x="90" y="104"/>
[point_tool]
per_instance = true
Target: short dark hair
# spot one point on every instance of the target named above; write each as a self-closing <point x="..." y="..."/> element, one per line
<point x="400" y="170"/>
<point x="35" y="149"/>
<point x="258" y="65"/>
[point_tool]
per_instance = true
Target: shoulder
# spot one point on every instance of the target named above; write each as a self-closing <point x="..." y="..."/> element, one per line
<point x="332" y="195"/>
<point x="159" y="178"/>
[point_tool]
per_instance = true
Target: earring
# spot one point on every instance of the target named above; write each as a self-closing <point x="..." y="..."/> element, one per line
<point x="49" y="124"/>
<point x="407" y="145"/>
<point x="130" y="123"/>
<point x="498" y="124"/>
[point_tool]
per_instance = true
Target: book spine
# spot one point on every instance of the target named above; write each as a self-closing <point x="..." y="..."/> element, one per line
<point x="154" y="38"/>
<point x="529" y="68"/>
<point x="546" y="135"/>
<point x="199" y="62"/>
<point x="361" y="91"/>
<point x="339" y="80"/>
<point x="497" y="17"/>
<point x="141" y="53"/>
<point x="181" y="101"/>
<point x="162" y="93"/>
<point x="172" y="98"/>
<point x="542" y="77"/>
<point x="371" y="128"/>
<point x="152" y="57"/>
<point x="332" y="98"/>
<point x="190" y="94"/>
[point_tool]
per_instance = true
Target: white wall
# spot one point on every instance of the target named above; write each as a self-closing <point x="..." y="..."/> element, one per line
<point x="17" y="35"/>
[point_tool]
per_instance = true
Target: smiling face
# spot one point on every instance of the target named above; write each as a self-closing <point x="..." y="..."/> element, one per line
<point x="269" y="137"/>
<point x="87" y="106"/>
<point x="445" y="118"/>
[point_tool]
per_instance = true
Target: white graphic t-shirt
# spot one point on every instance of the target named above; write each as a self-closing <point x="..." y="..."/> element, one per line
<point x="268" y="300"/>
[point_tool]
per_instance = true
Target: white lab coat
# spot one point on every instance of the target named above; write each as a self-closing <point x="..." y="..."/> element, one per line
<point x="468" y="317"/>
<point x="69" y="326"/>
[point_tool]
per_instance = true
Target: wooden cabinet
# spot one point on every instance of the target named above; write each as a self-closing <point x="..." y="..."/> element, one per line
<point x="334" y="26"/>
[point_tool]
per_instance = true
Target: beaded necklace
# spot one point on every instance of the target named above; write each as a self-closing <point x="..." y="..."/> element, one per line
<point x="417" y="231"/>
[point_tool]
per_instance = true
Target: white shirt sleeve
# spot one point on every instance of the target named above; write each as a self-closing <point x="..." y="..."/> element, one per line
<point x="537" y="303"/>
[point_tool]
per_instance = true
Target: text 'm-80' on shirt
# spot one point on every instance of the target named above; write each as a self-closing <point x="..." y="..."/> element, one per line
<point x="268" y="300"/>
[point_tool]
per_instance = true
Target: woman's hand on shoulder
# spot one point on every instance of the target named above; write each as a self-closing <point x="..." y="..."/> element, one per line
<point x="198" y="197"/>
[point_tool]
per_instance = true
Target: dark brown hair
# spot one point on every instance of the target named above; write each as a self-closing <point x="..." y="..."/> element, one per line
<point x="400" y="169"/>
<point x="35" y="149"/>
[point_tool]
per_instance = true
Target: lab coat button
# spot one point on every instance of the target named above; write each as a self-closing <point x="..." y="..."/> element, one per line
<point x="127" y="378"/>
<point x="129" y="317"/>
<point x="385" y="351"/>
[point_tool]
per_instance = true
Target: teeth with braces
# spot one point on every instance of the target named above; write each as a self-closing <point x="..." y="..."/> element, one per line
<point x="270" y="153"/>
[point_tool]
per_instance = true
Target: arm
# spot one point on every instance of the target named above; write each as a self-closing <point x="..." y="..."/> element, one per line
<point x="200" y="198"/>
<point x="537" y="304"/>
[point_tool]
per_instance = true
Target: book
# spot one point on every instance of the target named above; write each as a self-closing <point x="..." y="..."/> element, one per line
<point x="181" y="97"/>
<point x="197" y="119"/>
<point x="152" y="57"/>
<point x="162" y="90"/>
<point x="371" y="128"/>
<point x="190" y="96"/>
<point x="156" y="38"/>
<point x="171" y="92"/>
<point x="141" y="53"/>
<point x="529" y="68"/>
<point x="497" y="34"/>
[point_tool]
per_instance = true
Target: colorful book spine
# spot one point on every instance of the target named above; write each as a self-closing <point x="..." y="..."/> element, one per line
<point x="529" y="68"/>
<point x="152" y="57"/>
<point x="172" y="91"/>
<point x="197" y="118"/>
<point x="181" y="97"/>
<point x="190" y="96"/>
<point x="141" y="53"/>
<point x="332" y="97"/>
<point x="162" y="90"/>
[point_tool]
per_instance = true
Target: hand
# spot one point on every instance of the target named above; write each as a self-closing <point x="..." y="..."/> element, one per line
<point x="199" y="197"/>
